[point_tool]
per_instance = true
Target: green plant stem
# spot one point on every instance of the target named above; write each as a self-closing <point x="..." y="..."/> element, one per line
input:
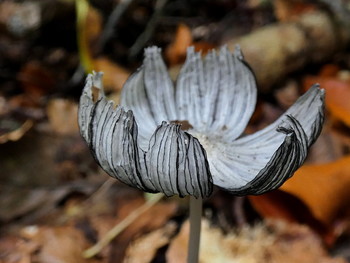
<point x="195" y="229"/>
<point x="94" y="250"/>
<point x="82" y="10"/>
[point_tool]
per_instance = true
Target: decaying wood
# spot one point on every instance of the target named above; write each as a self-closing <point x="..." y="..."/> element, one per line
<point x="276" y="50"/>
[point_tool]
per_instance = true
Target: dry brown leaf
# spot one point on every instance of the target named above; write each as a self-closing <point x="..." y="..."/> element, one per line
<point x="177" y="251"/>
<point x="288" y="94"/>
<point x="329" y="70"/>
<point x="143" y="249"/>
<point x="114" y="75"/>
<point x="287" y="10"/>
<point x="327" y="148"/>
<point x="176" y="51"/>
<point x="33" y="204"/>
<point x="281" y="205"/>
<point x="16" y="250"/>
<point x="57" y="244"/>
<point x="63" y="116"/>
<point x="246" y="246"/>
<point x="324" y="188"/>
<point x="337" y="95"/>
<point x="154" y="218"/>
<point x="296" y="243"/>
<point x="203" y="47"/>
<point x="36" y="80"/>
<point x="272" y="243"/>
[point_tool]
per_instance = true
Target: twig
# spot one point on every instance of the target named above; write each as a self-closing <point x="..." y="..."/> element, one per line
<point x="85" y="65"/>
<point x="238" y="211"/>
<point x="111" y="22"/>
<point x="143" y="38"/>
<point x="291" y="45"/>
<point x="102" y="190"/>
<point x="117" y="229"/>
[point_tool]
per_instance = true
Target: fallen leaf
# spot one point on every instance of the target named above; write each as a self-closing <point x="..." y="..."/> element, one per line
<point x="284" y="206"/>
<point x="288" y="94"/>
<point x="44" y="244"/>
<point x="324" y="188"/>
<point x="114" y="75"/>
<point x="63" y="116"/>
<point x="271" y="242"/>
<point x="41" y="159"/>
<point x="26" y="106"/>
<point x="175" y="53"/>
<point x="177" y="251"/>
<point x="342" y="134"/>
<point x="329" y="70"/>
<point x="296" y="243"/>
<point x="287" y="10"/>
<point x="17" y="116"/>
<point x="32" y="204"/>
<point x="203" y="47"/>
<point x="16" y="250"/>
<point x="337" y="95"/>
<point x="36" y="80"/>
<point x="57" y="244"/>
<point x="327" y="148"/>
<point x="144" y="249"/>
<point x="154" y="218"/>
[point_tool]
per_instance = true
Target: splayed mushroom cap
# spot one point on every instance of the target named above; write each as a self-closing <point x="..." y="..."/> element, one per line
<point x="141" y="143"/>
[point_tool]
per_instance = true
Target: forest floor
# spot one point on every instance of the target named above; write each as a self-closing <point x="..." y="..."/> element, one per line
<point x="55" y="202"/>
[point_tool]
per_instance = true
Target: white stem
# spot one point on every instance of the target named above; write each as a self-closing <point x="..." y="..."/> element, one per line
<point x="195" y="229"/>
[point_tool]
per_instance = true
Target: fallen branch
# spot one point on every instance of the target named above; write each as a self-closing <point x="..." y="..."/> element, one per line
<point x="276" y="50"/>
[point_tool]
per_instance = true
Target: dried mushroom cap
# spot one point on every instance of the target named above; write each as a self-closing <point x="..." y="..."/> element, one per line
<point x="175" y="162"/>
<point x="143" y="147"/>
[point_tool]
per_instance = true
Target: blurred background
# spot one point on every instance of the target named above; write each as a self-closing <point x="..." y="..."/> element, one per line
<point x="55" y="202"/>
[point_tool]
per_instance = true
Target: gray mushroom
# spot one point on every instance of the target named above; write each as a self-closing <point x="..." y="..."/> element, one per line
<point x="141" y="143"/>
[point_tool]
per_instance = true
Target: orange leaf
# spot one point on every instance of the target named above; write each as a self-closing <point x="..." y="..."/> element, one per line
<point x="329" y="70"/>
<point x="287" y="10"/>
<point x="203" y="47"/>
<point x="337" y="95"/>
<point x="36" y="80"/>
<point x="281" y="205"/>
<point x="114" y="75"/>
<point x="323" y="188"/>
<point x="176" y="51"/>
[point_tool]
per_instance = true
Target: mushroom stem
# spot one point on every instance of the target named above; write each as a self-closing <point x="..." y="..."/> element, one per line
<point x="195" y="229"/>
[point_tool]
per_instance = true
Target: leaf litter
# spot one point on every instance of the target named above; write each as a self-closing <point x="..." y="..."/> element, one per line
<point x="51" y="208"/>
